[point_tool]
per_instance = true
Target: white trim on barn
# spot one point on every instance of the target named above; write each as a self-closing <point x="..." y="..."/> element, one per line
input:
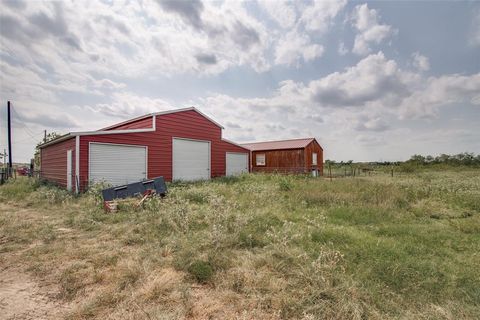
<point x="154" y="124"/>
<point x="69" y="169"/>
<point x="235" y="144"/>
<point x="96" y="133"/>
<point x="77" y="164"/>
<point x="163" y="113"/>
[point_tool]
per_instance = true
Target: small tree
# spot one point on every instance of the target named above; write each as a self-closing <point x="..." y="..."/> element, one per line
<point x="330" y="162"/>
<point x="417" y="159"/>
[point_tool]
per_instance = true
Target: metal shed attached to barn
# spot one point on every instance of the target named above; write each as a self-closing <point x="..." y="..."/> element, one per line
<point x="287" y="156"/>
<point x="181" y="144"/>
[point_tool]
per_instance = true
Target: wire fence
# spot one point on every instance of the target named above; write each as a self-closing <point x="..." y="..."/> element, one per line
<point x="356" y="170"/>
<point x="7" y="173"/>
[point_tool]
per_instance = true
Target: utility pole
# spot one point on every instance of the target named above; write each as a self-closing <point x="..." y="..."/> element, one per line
<point x="9" y="123"/>
<point x="44" y="136"/>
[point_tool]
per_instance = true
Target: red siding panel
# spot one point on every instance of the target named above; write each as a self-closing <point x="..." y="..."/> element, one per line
<point x="139" y="124"/>
<point x="290" y="161"/>
<point x="314" y="147"/>
<point x="53" y="162"/>
<point x="282" y="161"/>
<point x="223" y="148"/>
<point x="187" y="124"/>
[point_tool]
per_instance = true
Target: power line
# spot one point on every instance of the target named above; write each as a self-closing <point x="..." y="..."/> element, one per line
<point x="22" y="122"/>
<point x="35" y="139"/>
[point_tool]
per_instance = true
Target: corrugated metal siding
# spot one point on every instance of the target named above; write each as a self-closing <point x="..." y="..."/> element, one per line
<point x="236" y="163"/>
<point x="290" y="161"/>
<point x="309" y="150"/>
<point x="281" y="161"/>
<point x="191" y="159"/>
<point x="117" y="164"/>
<point x="139" y="124"/>
<point x="187" y="124"/>
<point x="53" y="162"/>
<point x="223" y="147"/>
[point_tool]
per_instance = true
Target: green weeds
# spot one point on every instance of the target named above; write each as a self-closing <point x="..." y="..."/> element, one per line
<point x="289" y="246"/>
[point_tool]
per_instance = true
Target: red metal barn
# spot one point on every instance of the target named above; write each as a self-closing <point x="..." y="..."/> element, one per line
<point x="181" y="144"/>
<point x="287" y="156"/>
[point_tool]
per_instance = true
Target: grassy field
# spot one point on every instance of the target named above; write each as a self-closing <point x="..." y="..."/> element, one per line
<point x="256" y="247"/>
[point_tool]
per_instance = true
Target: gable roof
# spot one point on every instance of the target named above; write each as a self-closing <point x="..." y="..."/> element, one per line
<point x="160" y="113"/>
<point x="279" y="144"/>
<point x="106" y="130"/>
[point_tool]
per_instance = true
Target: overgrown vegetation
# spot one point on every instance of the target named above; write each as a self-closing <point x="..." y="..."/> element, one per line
<point x="258" y="247"/>
<point x="416" y="163"/>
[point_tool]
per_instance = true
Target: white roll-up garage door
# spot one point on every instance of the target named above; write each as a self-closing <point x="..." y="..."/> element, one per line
<point x="191" y="159"/>
<point x="117" y="164"/>
<point x="236" y="163"/>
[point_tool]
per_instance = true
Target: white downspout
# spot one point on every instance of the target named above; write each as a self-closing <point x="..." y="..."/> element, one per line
<point x="77" y="164"/>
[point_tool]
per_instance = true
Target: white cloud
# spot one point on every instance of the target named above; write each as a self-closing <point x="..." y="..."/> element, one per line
<point x="294" y="47"/>
<point x="364" y="123"/>
<point x="370" y="31"/>
<point x="378" y="82"/>
<point x="134" y="38"/>
<point x="283" y="12"/>
<point x="366" y="97"/>
<point x="319" y="16"/>
<point x="128" y="105"/>
<point x="435" y="92"/>
<point x="420" y="62"/>
<point x="67" y="61"/>
<point x="373" y="79"/>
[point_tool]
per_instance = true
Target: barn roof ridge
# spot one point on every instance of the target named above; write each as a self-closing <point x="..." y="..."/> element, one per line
<point x="160" y="113"/>
<point x="106" y="131"/>
<point x="283" y="140"/>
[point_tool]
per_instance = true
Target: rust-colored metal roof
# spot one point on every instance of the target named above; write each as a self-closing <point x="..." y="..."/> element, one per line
<point x="276" y="145"/>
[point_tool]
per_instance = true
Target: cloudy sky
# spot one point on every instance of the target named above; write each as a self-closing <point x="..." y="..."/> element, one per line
<point x="371" y="81"/>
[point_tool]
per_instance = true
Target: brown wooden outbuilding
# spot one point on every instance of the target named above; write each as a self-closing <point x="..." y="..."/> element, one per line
<point x="287" y="156"/>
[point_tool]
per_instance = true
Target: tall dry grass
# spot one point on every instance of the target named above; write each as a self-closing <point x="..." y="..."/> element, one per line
<point x="257" y="247"/>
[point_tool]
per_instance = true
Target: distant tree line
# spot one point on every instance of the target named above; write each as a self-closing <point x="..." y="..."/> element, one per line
<point x="461" y="159"/>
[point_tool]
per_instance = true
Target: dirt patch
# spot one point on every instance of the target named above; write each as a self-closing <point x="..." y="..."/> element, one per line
<point x="22" y="298"/>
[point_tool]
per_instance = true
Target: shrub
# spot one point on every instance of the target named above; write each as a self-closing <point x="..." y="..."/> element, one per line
<point x="196" y="197"/>
<point x="202" y="271"/>
<point x="53" y="194"/>
<point x="19" y="189"/>
<point x="285" y="184"/>
<point x="229" y="179"/>
<point x="407" y="168"/>
<point x="250" y="240"/>
<point x="94" y="192"/>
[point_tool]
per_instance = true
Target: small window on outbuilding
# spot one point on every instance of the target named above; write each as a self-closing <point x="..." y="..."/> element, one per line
<point x="260" y="159"/>
<point x="314" y="159"/>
